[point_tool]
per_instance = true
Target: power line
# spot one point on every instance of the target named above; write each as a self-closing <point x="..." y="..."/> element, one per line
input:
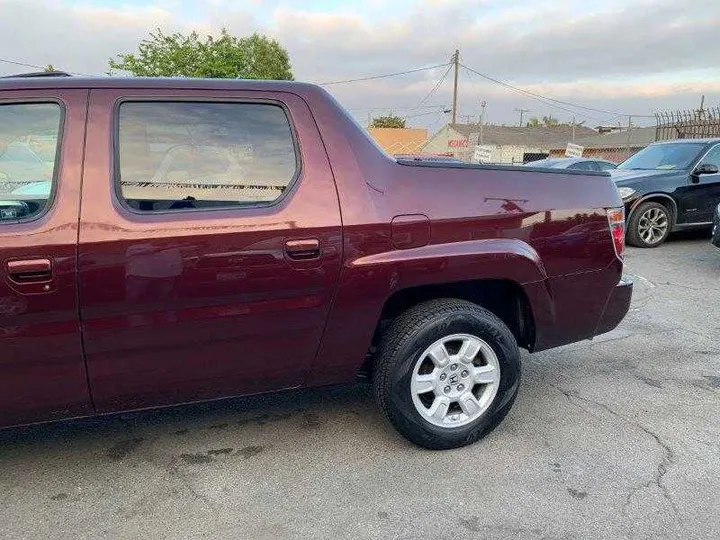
<point x="385" y="76"/>
<point x="547" y="102"/>
<point x="404" y="108"/>
<point x="443" y="111"/>
<point x="540" y="96"/>
<point x="23" y="64"/>
<point x="433" y="90"/>
<point x="35" y="66"/>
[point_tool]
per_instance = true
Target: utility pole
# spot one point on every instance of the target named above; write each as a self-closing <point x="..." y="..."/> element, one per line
<point x="483" y="103"/>
<point x="573" y="132"/>
<point x="521" y="111"/>
<point x="456" y="61"/>
<point x="629" y="132"/>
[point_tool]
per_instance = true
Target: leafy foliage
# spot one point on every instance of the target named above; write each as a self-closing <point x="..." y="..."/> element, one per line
<point x="389" y="121"/>
<point x="546" y="121"/>
<point x="229" y="57"/>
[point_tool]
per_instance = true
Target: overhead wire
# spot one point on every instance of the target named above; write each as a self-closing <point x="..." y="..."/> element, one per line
<point x="431" y="92"/>
<point x="35" y="66"/>
<point x="384" y="76"/>
<point x="23" y="64"/>
<point x="553" y="100"/>
<point x="549" y="103"/>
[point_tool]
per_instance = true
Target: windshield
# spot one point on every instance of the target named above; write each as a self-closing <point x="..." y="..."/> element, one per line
<point x="663" y="157"/>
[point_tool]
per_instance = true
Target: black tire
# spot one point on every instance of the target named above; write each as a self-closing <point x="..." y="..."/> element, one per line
<point x="406" y="339"/>
<point x="633" y="235"/>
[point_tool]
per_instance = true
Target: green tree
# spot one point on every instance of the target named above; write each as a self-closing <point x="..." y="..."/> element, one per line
<point x="389" y="121"/>
<point x="546" y="121"/>
<point x="226" y="56"/>
<point x="549" y="121"/>
<point x="49" y="68"/>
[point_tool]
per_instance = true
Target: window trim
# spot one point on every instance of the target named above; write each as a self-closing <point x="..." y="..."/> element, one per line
<point x="115" y="152"/>
<point x="710" y="149"/>
<point x="57" y="165"/>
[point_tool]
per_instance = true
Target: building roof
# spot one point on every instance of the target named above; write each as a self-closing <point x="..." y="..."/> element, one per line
<point x="639" y="138"/>
<point x="543" y="137"/>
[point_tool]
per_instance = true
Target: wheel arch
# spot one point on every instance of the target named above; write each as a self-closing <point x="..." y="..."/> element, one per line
<point x="663" y="198"/>
<point x="376" y="287"/>
<point x="503" y="297"/>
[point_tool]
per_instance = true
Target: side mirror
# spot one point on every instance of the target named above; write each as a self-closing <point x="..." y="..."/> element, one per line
<point x="706" y="168"/>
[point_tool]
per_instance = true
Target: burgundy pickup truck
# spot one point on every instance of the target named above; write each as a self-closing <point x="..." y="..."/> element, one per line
<point x="171" y="241"/>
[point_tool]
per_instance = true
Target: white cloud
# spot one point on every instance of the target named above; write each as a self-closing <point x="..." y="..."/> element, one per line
<point x="615" y="55"/>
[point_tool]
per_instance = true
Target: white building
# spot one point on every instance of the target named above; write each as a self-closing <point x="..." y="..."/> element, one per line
<point x="509" y="144"/>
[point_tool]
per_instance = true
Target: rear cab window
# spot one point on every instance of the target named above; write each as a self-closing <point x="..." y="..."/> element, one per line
<point x="185" y="155"/>
<point x="29" y="143"/>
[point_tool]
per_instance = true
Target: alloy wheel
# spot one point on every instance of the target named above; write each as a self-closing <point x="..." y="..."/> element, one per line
<point x="455" y="380"/>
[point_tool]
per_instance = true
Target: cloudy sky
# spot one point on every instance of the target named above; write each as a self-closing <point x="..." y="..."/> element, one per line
<point x="618" y="56"/>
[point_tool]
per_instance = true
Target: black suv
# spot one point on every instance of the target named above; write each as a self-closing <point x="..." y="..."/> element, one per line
<point x="669" y="186"/>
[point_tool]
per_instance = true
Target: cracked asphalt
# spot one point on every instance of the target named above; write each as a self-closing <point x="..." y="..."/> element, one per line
<point x="614" y="438"/>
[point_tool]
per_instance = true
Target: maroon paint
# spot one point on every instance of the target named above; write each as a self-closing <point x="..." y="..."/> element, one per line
<point x="279" y="297"/>
<point x="237" y="314"/>
<point x="42" y="374"/>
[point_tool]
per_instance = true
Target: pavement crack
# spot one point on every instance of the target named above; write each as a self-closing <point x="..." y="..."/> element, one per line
<point x="668" y="459"/>
<point x="174" y="471"/>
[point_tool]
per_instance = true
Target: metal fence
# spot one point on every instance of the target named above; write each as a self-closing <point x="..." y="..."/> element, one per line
<point x="693" y="124"/>
<point x="615" y="146"/>
<point x="520" y="145"/>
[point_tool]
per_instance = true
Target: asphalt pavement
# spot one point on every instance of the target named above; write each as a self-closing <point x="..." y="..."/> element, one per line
<point x="614" y="438"/>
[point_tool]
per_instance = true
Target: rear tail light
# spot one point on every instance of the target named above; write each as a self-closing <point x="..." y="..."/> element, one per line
<point x="616" y="221"/>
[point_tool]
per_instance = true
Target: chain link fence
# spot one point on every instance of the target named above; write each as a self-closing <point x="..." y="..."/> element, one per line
<point x="515" y="145"/>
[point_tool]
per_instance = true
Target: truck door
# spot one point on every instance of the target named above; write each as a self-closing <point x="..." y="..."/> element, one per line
<point x="42" y="373"/>
<point x="210" y="244"/>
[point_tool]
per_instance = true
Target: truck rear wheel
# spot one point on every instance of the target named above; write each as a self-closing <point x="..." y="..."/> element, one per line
<point x="447" y="373"/>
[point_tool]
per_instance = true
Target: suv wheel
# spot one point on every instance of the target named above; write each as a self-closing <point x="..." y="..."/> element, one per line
<point x="649" y="225"/>
<point x="447" y="373"/>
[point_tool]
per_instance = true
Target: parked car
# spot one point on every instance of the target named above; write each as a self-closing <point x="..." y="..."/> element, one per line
<point x="669" y="186"/>
<point x="574" y="163"/>
<point x="201" y="239"/>
<point x="716" y="227"/>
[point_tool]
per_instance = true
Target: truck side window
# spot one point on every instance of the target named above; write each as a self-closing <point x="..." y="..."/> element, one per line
<point x="187" y="155"/>
<point x="29" y="135"/>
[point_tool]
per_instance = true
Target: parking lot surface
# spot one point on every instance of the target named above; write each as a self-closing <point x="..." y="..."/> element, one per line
<point x="614" y="438"/>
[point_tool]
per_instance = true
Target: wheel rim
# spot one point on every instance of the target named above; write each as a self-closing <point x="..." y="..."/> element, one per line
<point x="455" y="380"/>
<point x="653" y="225"/>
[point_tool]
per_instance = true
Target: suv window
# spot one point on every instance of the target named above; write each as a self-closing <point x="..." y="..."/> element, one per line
<point x="583" y="166"/>
<point x="184" y="155"/>
<point x="713" y="156"/>
<point x="604" y="165"/>
<point x="29" y="135"/>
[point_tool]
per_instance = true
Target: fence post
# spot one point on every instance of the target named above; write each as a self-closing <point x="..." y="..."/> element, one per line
<point x="628" y="136"/>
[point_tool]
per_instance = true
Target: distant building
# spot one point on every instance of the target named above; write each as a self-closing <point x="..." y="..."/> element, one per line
<point x="399" y="140"/>
<point x="616" y="146"/>
<point x="510" y="144"/>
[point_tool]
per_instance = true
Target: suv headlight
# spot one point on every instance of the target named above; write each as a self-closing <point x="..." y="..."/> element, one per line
<point x="626" y="192"/>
